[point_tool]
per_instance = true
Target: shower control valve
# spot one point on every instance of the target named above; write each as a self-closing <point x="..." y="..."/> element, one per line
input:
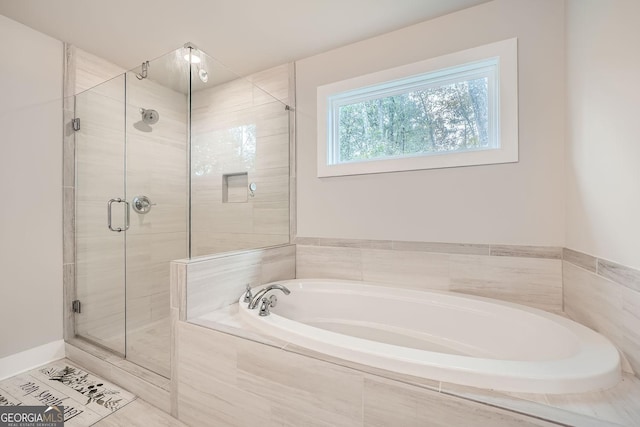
<point x="142" y="204"/>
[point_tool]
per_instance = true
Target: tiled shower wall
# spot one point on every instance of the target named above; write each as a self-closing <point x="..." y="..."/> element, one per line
<point x="240" y="131"/>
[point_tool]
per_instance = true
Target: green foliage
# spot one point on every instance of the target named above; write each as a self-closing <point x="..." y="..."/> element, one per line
<point x="447" y="118"/>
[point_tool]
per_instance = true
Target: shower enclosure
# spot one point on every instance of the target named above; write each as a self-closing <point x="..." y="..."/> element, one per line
<point x="177" y="158"/>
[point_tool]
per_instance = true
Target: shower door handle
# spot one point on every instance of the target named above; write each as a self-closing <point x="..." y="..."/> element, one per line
<point x="126" y="216"/>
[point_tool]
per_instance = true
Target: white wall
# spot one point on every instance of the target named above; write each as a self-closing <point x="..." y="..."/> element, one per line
<point x="603" y="143"/>
<point x="30" y="188"/>
<point x="521" y="203"/>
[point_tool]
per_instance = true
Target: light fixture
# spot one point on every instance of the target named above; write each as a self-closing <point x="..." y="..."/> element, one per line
<point x="195" y="59"/>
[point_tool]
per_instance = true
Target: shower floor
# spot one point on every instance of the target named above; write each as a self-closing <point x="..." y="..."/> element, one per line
<point x="148" y="346"/>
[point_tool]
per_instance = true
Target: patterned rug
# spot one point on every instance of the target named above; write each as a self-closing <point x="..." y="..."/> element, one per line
<point x="85" y="397"/>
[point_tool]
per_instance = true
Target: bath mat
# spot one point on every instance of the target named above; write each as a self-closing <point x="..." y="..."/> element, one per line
<point x="85" y="397"/>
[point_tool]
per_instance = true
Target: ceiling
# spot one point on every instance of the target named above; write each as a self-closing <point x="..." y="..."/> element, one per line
<point x="246" y="35"/>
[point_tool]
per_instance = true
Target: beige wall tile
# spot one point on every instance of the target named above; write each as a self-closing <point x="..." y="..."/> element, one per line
<point x="530" y="281"/>
<point x="328" y="262"/>
<point x="580" y="259"/>
<point x="419" y="270"/>
<point x="453" y="248"/>
<point x="205" y="243"/>
<point x="527" y="251"/>
<point x="207" y="381"/>
<point x="593" y="301"/>
<point x="340" y="243"/>
<point x="68" y="243"/>
<point x="292" y="381"/>
<point x="92" y="70"/>
<point x="274" y="81"/>
<point x="407" y="379"/>
<point x="278" y="264"/>
<point x="231" y="381"/>
<point x="627" y="276"/>
<point x="174" y="317"/>
<point x="272" y="151"/>
<point x="390" y="404"/>
<point x="68" y="148"/>
<point x="220" y="281"/>
<point x="607" y="307"/>
<point x="100" y="279"/>
<point x="69" y="294"/>
<point x="631" y="328"/>
<point x="178" y="278"/>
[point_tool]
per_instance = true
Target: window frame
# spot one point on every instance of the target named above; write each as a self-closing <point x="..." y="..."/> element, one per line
<point x="402" y="79"/>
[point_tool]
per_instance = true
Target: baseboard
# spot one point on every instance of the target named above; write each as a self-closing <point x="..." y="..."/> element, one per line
<point x="30" y="359"/>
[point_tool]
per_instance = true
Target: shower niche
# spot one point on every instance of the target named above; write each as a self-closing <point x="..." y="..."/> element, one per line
<point x="166" y="156"/>
<point x="235" y="187"/>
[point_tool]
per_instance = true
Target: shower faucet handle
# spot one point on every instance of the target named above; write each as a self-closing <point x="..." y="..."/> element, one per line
<point x="142" y="204"/>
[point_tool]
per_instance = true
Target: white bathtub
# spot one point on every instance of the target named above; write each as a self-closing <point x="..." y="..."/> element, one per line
<point x="443" y="336"/>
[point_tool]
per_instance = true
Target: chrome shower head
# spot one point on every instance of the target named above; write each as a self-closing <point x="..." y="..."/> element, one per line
<point x="149" y="116"/>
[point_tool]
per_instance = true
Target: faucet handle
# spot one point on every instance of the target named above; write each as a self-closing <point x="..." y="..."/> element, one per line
<point x="266" y="303"/>
<point x="248" y="296"/>
<point x="264" y="307"/>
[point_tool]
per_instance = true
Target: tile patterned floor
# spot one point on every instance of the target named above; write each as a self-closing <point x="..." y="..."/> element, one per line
<point x="87" y="399"/>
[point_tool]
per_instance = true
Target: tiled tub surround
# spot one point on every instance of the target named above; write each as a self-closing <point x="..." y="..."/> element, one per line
<point x="200" y="377"/>
<point x="606" y="297"/>
<point x="217" y="373"/>
<point x="216" y="281"/>
<point x="231" y="381"/>
<point x="525" y="275"/>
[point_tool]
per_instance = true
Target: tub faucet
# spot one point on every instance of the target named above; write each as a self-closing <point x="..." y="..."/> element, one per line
<point x="256" y="299"/>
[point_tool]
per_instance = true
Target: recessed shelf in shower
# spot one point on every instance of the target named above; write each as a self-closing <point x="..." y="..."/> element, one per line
<point x="235" y="187"/>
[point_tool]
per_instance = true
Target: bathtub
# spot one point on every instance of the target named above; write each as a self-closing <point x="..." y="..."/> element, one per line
<point x="444" y="336"/>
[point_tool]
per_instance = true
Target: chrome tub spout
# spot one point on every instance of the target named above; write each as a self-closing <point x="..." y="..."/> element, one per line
<point x="256" y="299"/>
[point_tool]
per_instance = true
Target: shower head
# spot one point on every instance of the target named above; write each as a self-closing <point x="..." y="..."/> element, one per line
<point x="149" y="116"/>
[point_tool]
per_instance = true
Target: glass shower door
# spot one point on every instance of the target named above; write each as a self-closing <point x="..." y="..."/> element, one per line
<point x="101" y="215"/>
<point x="132" y="208"/>
<point x="156" y="184"/>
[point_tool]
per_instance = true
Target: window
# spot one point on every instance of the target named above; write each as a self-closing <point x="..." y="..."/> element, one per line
<point x="455" y="110"/>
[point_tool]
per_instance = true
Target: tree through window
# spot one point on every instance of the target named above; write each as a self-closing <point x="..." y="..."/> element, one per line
<point x="439" y="112"/>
